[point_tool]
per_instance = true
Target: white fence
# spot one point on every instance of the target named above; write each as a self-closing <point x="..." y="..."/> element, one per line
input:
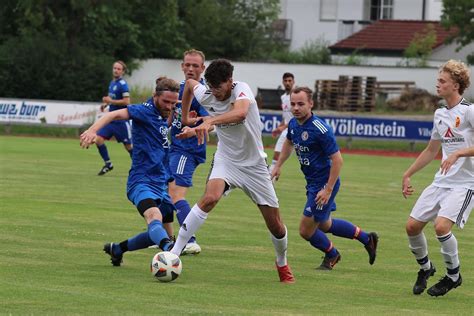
<point x="268" y="75"/>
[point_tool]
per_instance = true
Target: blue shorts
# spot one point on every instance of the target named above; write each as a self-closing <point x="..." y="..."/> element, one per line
<point x="121" y="130"/>
<point x="182" y="167"/>
<point x="311" y="208"/>
<point x="159" y="193"/>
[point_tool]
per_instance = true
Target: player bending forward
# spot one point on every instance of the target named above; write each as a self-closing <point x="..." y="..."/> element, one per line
<point x="239" y="161"/>
<point x="321" y="163"/>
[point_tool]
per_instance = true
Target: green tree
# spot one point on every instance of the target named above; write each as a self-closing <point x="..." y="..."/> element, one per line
<point x="421" y="46"/>
<point x="235" y="29"/>
<point x="460" y="14"/>
<point x="64" y="50"/>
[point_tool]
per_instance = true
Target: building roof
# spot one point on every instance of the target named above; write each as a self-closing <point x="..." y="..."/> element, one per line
<point x="389" y="37"/>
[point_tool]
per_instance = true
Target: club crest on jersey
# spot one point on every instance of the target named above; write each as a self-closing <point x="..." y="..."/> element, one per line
<point x="458" y="121"/>
<point x="304" y="135"/>
<point x="449" y="133"/>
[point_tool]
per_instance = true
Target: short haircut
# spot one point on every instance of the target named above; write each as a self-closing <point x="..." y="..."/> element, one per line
<point x="459" y="72"/>
<point x="165" y="84"/>
<point x="288" y="75"/>
<point x="195" y="52"/>
<point x="219" y="71"/>
<point x="124" y="66"/>
<point x="308" y="91"/>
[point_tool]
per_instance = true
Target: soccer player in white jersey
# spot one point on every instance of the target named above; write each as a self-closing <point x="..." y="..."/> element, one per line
<point x="282" y="129"/>
<point x="449" y="199"/>
<point x="239" y="161"/>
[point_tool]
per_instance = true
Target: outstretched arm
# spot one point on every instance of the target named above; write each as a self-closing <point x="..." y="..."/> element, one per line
<point x="88" y="137"/>
<point x="426" y="156"/>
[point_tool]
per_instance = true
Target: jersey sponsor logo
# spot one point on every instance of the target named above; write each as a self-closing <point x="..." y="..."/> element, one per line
<point x="211" y="109"/>
<point x="449" y="133"/>
<point x="242" y="94"/>
<point x="458" y="121"/>
<point x="304" y="135"/>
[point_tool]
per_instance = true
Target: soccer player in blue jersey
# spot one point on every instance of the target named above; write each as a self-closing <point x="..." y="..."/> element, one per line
<point x="147" y="186"/>
<point x="186" y="154"/>
<point x="118" y="98"/>
<point x="321" y="162"/>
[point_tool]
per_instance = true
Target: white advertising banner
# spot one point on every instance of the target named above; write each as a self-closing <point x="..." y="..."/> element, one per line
<point x="14" y="111"/>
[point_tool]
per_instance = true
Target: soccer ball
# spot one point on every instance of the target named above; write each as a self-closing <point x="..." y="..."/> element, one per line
<point x="166" y="266"/>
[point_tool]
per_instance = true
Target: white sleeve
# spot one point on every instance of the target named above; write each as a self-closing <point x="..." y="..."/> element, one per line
<point x="470" y="115"/>
<point x="243" y="91"/>
<point x="434" y="132"/>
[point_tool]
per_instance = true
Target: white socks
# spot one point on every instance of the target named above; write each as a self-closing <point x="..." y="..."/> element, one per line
<point x="191" y="224"/>
<point x="280" y="249"/>
<point x="449" y="250"/>
<point x="419" y="248"/>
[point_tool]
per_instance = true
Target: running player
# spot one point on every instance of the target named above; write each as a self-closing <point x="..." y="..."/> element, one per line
<point x="239" y="161"/>
<point x="448" y="200"/>
<point x="282" y="129"/>
<point x="118" y="98"/>
<point x="321" y="163"/>
<point x="147" y="185"/>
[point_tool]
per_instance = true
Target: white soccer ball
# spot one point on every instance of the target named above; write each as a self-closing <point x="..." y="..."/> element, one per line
<point x="166" y="266"/>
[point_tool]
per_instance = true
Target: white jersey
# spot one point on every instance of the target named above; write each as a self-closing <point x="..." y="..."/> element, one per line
<point x="455" y="129"/>
<point x="286" y="107"/>
<point x="240" y="143"/>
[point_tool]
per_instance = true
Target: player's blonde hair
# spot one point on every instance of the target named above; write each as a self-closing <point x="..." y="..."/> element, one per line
<point x="459" y="72"/>
<point x="195" y="52"/>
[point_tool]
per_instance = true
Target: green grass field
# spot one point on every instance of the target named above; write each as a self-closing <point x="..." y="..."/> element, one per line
<point x="56" y="214"/>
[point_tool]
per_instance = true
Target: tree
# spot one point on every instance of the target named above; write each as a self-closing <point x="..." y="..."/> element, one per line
<point x="421" y="46"/>
<point x="460" y="14"/>
<point x="235" y="29"/>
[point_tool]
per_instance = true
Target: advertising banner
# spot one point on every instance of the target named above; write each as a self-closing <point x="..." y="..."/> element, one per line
<point x="14" y="111"/>
<point x="366" y="127"/>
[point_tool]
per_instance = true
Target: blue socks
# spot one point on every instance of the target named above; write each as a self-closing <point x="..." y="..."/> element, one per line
<point x="342" y="228"/>
<point x="157" y="234"/>
<point x="320" y="241"/>
<point x="182" y="211"/>
<point x="104" y="153"/>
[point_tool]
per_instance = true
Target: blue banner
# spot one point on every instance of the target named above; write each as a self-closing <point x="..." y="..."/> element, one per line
<point x="366" y="127"/>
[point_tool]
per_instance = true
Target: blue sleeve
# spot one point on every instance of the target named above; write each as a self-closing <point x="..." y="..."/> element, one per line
<point x="201" y="110"/>
<point x="138" y="112"/>
<point x="328" y="142"/>
<point x="288" y="134"/>
<point x="124" y="86"/>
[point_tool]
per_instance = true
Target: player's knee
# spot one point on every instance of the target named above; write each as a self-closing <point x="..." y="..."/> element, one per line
<point x="442" y="228"/>
<point x="305" y="233"/>
<point x="99" y="140"/>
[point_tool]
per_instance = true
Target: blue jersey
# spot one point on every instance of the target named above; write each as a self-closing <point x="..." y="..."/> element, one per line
<point x="150" y="146"/>
<point x="188" y="145"/>
<point x="118" y="89"/>
<point x="314" y="143"/>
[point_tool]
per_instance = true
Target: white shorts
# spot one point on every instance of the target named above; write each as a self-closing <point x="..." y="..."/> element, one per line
<point x="253" y="180"/>
<point x="281" y="140"/>
<point x="455" y="204"/>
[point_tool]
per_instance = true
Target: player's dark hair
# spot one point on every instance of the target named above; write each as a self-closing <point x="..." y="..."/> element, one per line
<point x="165" y="84"/>
<point x="306" y="90"/>
<point x="219" y="71"/>
<point x="288" y="75"/>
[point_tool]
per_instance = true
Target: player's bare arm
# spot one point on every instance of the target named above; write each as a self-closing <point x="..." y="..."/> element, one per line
<point x="88" y="137"/>
<point x="426" y="156"/>
<point x="323" y="195"/>
<point x="284" y="155"/>
<point x="188" y="94"/>
<point x="448" y="162"/>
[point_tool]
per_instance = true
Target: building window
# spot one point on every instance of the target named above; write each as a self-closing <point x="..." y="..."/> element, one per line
<point x="328" y="10"/>
<point x="381" y="10"/>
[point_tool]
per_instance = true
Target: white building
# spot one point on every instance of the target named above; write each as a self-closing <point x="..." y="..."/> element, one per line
<point x="334" y="20"/>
